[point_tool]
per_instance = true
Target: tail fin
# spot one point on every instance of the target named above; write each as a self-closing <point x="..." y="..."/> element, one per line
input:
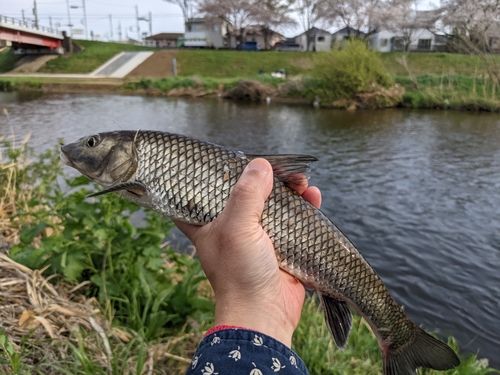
<point x="424" y="351"/>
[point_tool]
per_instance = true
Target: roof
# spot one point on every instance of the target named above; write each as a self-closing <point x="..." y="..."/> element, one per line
<point x="313" y="31"/>
<point x="260" y="29"/>
<point x="162" y="36"/>
<point x="196" y="20"/>
<point x="349" y="30"/>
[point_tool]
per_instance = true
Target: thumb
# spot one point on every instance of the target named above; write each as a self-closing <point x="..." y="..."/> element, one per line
<point x="246" y="202"/>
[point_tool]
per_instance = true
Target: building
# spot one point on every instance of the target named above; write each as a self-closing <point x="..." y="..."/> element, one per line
<point x="319" y="40"/>
<point x="202" y="34"/>
<point x="340" y="36"/>
<point x="164" y="40"/>
<point x="418" y="40"/>
<point x="260" y="34"/>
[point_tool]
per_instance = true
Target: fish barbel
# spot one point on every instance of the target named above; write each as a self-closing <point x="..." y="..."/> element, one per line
<point x="190" y="180"/>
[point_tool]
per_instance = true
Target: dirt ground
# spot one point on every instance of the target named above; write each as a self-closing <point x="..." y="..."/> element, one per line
<point x="157" y="66"/>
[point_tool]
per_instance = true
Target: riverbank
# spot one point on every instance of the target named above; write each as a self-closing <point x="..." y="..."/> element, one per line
<point x="427" y="91"/>
<point x="416" y="80"/>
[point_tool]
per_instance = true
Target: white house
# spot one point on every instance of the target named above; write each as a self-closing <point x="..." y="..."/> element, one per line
<point x="201" y="34"/>
<point x="421" y="40"/>
<point x="319" y="40"/>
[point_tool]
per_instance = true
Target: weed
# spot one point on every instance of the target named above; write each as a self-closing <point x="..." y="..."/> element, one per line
<point x="342" y="74"/>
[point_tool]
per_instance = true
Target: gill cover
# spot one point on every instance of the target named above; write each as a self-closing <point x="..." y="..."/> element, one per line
<point x="106" y="158"/>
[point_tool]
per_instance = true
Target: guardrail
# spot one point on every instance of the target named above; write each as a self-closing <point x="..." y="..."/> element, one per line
<point x="28" y="25"/>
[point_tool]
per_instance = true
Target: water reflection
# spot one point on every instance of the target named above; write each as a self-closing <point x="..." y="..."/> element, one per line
<point x="416" y="191"/>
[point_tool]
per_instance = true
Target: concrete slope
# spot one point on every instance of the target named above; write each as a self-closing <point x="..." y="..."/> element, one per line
<point x="121" y="65"/>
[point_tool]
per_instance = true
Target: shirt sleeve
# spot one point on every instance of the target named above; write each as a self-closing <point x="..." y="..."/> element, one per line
<point x="244" y="352"/>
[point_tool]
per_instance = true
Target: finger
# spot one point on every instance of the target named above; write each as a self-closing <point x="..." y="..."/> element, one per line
<point x="313" y="195"/>
<point x="248" y="196"/>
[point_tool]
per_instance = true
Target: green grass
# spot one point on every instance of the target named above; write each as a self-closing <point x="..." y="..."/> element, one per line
<point x="208" y="63"/>
<point x="451" y="92"/>
<point x="94" y="55"/>
<point x="435" y="63"/>
<point x="8" y="60"/>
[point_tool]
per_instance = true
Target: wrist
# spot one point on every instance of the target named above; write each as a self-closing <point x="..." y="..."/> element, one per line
<point x="260" y="317"/>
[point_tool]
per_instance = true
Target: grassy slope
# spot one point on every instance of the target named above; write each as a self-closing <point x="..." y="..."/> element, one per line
<point x="94" y="55"/>
<point x="241" y="63"/>
<point x="7" y="60"/>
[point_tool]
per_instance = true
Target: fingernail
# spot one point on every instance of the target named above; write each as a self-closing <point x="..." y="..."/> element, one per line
<point x="258" y="165"/>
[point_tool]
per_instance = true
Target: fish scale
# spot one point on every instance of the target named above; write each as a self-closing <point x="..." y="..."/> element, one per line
<point x="191" y="180"/>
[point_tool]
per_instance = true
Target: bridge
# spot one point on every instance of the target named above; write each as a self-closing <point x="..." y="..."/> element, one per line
<point x="26" y="38"/>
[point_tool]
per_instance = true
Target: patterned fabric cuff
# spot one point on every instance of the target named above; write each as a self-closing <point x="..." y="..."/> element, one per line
<point x="242" y="351"/>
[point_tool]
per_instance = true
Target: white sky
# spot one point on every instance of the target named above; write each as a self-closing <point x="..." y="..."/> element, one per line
<point x="166" y="17"/>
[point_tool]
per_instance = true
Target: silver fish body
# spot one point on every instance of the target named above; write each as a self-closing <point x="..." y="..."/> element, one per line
<point x="191" y="180"/>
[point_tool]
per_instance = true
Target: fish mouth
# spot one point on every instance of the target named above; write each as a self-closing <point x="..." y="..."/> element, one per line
<point x="65" y="159"/>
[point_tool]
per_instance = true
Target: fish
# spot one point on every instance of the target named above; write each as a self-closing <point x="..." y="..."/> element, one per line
<point x="190" y="180"/>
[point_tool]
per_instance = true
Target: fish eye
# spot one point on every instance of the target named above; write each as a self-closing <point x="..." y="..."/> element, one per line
<point x="92" y="141"/>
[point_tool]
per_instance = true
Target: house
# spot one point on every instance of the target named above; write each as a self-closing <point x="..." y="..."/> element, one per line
<point x="203" y="34"/>
<point x="164" y="40"/>
<point x="319" y="40"/>
<point x="339" y="36"/>
<point x="419" y="40"/>
<point x="260" y="34"/>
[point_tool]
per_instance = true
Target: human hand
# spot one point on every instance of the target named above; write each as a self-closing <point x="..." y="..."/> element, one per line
<point x="238" y="257"/>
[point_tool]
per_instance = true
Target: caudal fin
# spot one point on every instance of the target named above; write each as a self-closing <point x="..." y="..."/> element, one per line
<point x="424" y="351"/>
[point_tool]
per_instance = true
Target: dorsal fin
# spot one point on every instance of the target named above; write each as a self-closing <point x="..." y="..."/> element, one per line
<point x="133" y="187"/>
<point x="293" y="169"/>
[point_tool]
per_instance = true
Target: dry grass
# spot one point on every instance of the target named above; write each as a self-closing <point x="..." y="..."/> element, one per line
<point x="31" y="307"/>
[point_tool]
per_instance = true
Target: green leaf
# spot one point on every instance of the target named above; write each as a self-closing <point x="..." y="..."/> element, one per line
<point x="28" y="234"/>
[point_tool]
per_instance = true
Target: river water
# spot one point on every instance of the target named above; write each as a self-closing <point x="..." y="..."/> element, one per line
<point x="418" y="192"/>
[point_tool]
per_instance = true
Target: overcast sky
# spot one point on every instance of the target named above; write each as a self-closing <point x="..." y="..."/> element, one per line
<point x="166" y="17"/>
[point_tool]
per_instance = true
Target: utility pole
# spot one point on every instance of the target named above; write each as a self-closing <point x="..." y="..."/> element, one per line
<point x="150" y="24"/>
<point x="111" y="26"/>
<point x="50" y="22"/>
<point x="35" y="12"/>
<point x="119" y="31"/>
<point x="23" y="16"/>
<point x="70" y="25"/>
<point x="85" y="20"/>
<point x="137" y="22"/>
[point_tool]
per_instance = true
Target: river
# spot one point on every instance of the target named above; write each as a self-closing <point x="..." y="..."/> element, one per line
<point x="418" y="192"/>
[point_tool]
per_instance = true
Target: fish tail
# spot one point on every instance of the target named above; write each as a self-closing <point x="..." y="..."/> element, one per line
<point x="423" y="351"/>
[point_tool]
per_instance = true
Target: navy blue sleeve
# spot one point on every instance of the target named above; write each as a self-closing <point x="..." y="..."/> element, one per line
<point x="241" y="351"/>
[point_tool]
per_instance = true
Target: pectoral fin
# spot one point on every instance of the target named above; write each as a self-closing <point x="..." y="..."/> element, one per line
<point x="338" y="319"/>
<point x="137" y="188"/>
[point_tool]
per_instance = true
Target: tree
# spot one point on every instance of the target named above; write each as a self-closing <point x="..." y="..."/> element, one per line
<point x="272" y="14"/>
<point x="239" y="14"/>
<point x="406" y="21"/>
<point x="187" y="7"/>
<point x="355" y="15"/>
<point x="309" y="13"/>
<point x="471" y="27"/>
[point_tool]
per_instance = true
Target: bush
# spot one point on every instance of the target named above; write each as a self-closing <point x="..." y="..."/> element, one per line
<point x="343" y="73"/>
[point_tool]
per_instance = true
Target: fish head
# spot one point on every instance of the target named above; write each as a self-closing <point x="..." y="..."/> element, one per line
<point x="106" y="158"/>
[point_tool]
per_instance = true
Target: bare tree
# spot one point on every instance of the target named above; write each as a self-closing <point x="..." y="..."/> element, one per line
<point x="472" y="27"/>
<point x="356" y="15"/>
<point x="309" y="12"/>
<point x="239" y="14"/>
<point x="188" y="7"/>
<point x="273" y="14"/>
<point x="406" y="21"/>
